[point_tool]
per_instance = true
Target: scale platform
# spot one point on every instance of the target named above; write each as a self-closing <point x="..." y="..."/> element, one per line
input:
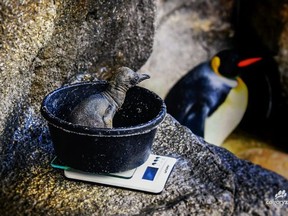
<point x="149" y="177"/>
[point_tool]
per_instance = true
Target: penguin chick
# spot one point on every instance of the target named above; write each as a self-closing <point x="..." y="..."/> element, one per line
<point x="198" y="94"/>
<point x="98" y="110"/>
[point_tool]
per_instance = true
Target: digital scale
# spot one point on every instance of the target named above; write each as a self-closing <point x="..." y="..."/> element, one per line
<point x="149" y="177"/>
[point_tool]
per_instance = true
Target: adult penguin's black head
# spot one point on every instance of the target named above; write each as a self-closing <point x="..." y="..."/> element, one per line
<point x="228" y="62"/>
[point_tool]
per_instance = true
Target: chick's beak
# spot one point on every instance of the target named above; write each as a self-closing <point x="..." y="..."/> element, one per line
<point x="143" y="77"/>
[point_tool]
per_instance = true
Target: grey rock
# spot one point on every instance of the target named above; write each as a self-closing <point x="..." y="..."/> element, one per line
<point x="43" y="44"/>
<point x="98" y="110"/>
<point x="206" y="180"/>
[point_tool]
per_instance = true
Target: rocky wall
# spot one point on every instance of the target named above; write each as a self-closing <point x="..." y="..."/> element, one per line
<point x="43" y="43"/>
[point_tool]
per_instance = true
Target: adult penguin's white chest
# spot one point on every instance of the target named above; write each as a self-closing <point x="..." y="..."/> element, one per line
<point x="228" y="115"/>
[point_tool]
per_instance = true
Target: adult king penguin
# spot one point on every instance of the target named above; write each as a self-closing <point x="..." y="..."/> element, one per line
<point x="211" y="99"/>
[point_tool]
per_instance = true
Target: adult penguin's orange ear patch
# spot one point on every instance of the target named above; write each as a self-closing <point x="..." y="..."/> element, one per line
<point x="215" y="64"/>
<point x="249" y="61"/>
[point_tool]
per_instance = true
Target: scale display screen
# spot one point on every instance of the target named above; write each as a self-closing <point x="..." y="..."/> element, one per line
<point x="150" y="173"/>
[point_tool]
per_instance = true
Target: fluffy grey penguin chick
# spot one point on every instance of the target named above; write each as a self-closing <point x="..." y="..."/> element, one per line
<point x="98" y="110"/>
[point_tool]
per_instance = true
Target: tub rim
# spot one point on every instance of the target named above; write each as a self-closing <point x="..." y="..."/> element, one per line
<point x="101" y="132"/>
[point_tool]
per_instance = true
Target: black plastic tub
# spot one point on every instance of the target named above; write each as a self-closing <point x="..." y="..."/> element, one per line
<point x="125" y="146"/>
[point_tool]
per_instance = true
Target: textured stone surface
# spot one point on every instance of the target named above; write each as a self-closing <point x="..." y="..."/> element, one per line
<point x="206" y="180"/>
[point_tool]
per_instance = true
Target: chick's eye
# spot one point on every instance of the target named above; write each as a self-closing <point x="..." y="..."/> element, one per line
<point x="133" y="81"/>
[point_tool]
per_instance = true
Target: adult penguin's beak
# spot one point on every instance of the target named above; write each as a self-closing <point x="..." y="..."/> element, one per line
<point x="249" y="61"/>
